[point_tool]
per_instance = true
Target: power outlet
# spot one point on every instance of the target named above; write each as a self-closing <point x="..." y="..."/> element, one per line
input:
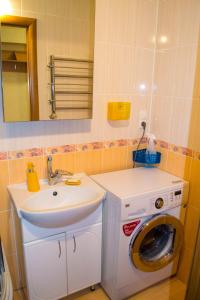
<point x="143" y="124"/>
<point x="142" y="118"/>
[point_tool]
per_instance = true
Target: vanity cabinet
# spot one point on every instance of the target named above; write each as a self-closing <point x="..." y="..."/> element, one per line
<point x="63" y="263"/>
<point x="46" y="268"/>
<point x="83" y="258"/>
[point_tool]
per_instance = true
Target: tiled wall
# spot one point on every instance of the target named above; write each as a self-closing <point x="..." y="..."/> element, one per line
<point x="193" y="211"/>
<point x="93" y="158"/>
<point x="185" y="163"/>
<point x="123" y="70"/>
<point x="126" y="58"/>
<point x="90" y="158"/>
<point x="188" y="167"/>
<point x="176" y="51"/>
<point x="175" y="106"/>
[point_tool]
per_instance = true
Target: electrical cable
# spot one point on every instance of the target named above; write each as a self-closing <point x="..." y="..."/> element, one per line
<point x="143" y="124"/>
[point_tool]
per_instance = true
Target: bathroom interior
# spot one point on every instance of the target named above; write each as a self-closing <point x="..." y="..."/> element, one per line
<point x="86" y="85"/>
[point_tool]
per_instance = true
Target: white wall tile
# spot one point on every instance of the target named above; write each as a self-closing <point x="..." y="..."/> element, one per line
<point x="175" y="63"/>
<point x="16" y="5"/>
<point x="101" y="21"/>
<point x="58" y="7"/>
<point x="189" y="21"/>
<point x="120" y="68"/>
<point x="168" y="24"/>
<point x="161" y="117"/>
<point x="35" y="6"/>
<point x="165" y="72"/>
<point x="80" y="9"/>
<point x="124" y="63"/>
<point x="122" y="21"/>
<point x="185" y="66"/>
<point x="57" y="32"/>
<point x="146" y="23"/>
<point x="100" y="67"/>
<point x="180" y="123"/>
<point x="143" y="71"/>
<point x="140" y="105"/>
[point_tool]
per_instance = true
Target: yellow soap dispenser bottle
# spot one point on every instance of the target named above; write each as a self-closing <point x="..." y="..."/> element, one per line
<point x="32" y="179"/>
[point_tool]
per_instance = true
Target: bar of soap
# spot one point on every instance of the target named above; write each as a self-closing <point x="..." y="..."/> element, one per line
<point x="73" y="181"/>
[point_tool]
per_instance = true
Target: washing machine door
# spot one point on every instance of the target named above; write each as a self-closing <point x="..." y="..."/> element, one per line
<point x="157" y="243"/>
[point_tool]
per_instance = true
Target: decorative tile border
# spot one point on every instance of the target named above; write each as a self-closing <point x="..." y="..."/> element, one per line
<point x="93" y="146"/>
<point x="162" y="144"/>
<point x="90" y="146"/>
<point x="3" y="155"/>
<point x="60" y="149"/>
<point x="132" y="142"/>
<point x="187" y="151"/>
<point x="110" y="144"/>
<point x="122" y="143"/>
<point x="33" y="152"/>
<point x="177" y="149"/>
<point x="197" y="155"/>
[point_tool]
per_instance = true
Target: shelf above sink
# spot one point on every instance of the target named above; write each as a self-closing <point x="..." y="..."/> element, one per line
<point x="59" y="205"/>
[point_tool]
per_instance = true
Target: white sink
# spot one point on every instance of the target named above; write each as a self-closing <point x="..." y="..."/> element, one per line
<point x="59" y="205"/>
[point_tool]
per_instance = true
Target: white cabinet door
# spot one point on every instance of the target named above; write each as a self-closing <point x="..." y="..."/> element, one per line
<point x="46" y="268"/>
<point x="84" y="258"/>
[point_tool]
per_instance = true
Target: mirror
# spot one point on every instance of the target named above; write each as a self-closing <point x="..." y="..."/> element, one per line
<point x="47" y="65"/>
<point x="19" y="69"/>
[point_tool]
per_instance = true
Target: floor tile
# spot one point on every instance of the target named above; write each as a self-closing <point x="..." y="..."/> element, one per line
<point x="18" y="296"/>
<point x="172" y="289"/>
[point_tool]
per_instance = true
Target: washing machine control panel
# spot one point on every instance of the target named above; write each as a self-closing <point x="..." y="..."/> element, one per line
<point x="148" y="205"/>
<point x="168" y="200"/>
<point x="175" y="197"/>
<point x="159" y="203"/>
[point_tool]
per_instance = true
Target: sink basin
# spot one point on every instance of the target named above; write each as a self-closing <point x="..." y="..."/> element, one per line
<point x="59" y="205"/>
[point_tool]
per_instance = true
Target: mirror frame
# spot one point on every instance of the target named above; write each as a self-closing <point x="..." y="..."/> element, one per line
<point x="31" y="26"/>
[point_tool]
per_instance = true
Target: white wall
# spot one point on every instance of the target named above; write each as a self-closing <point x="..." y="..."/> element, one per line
<point x="176" y="53"/>
<point x="124" y="56"/>
<point x="125" y="35"/>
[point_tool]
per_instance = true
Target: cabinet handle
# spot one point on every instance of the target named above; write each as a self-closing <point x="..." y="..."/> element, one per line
<point x="60" y="250"/>
<point x="74" y="250"/>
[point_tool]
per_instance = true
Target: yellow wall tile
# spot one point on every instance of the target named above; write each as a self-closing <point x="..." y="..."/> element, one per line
<point x="196" y="90"/>
<point x="65" y="161"/>
<point x="13" y="267"/>
<point x="178" y="164"/>
<point x="4" y="181"/>
<point x="114" y="159"/>
<point x="194" y="134"/>
<point x="195" y="184"/>
<point x="89" y="162"/>
<point x="38" y="164"/>
<point x="185" y="264"/>
<point x="6" y="232"/>
<point x="164" y="156"/>
<point x="18" y="167"/>
<point x="130" y="157"/>
<point x="191" y="226"/>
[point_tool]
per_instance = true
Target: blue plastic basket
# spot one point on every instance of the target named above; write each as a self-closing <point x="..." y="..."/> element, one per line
<point x="143" y="157"/>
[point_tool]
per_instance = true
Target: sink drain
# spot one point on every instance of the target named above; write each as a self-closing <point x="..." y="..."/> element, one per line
<point x="55" y="193"/>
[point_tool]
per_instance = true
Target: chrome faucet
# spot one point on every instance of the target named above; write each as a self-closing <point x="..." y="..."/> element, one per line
<point x="56" y="176"/>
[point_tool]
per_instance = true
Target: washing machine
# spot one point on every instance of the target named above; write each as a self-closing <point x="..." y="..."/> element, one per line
<point x="142" y="228"/>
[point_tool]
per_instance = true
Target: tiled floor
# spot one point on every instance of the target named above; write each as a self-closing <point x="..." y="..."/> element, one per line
<point x="172" y="289"/>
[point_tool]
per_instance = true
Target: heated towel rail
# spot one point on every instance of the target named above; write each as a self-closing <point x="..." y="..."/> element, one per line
<point x="71" y="82"/>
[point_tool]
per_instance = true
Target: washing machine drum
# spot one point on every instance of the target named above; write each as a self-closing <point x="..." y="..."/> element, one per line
<point x="157" y="243"/>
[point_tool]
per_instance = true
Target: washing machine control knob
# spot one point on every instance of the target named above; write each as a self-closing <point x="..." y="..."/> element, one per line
<point x="159" y="203"/>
